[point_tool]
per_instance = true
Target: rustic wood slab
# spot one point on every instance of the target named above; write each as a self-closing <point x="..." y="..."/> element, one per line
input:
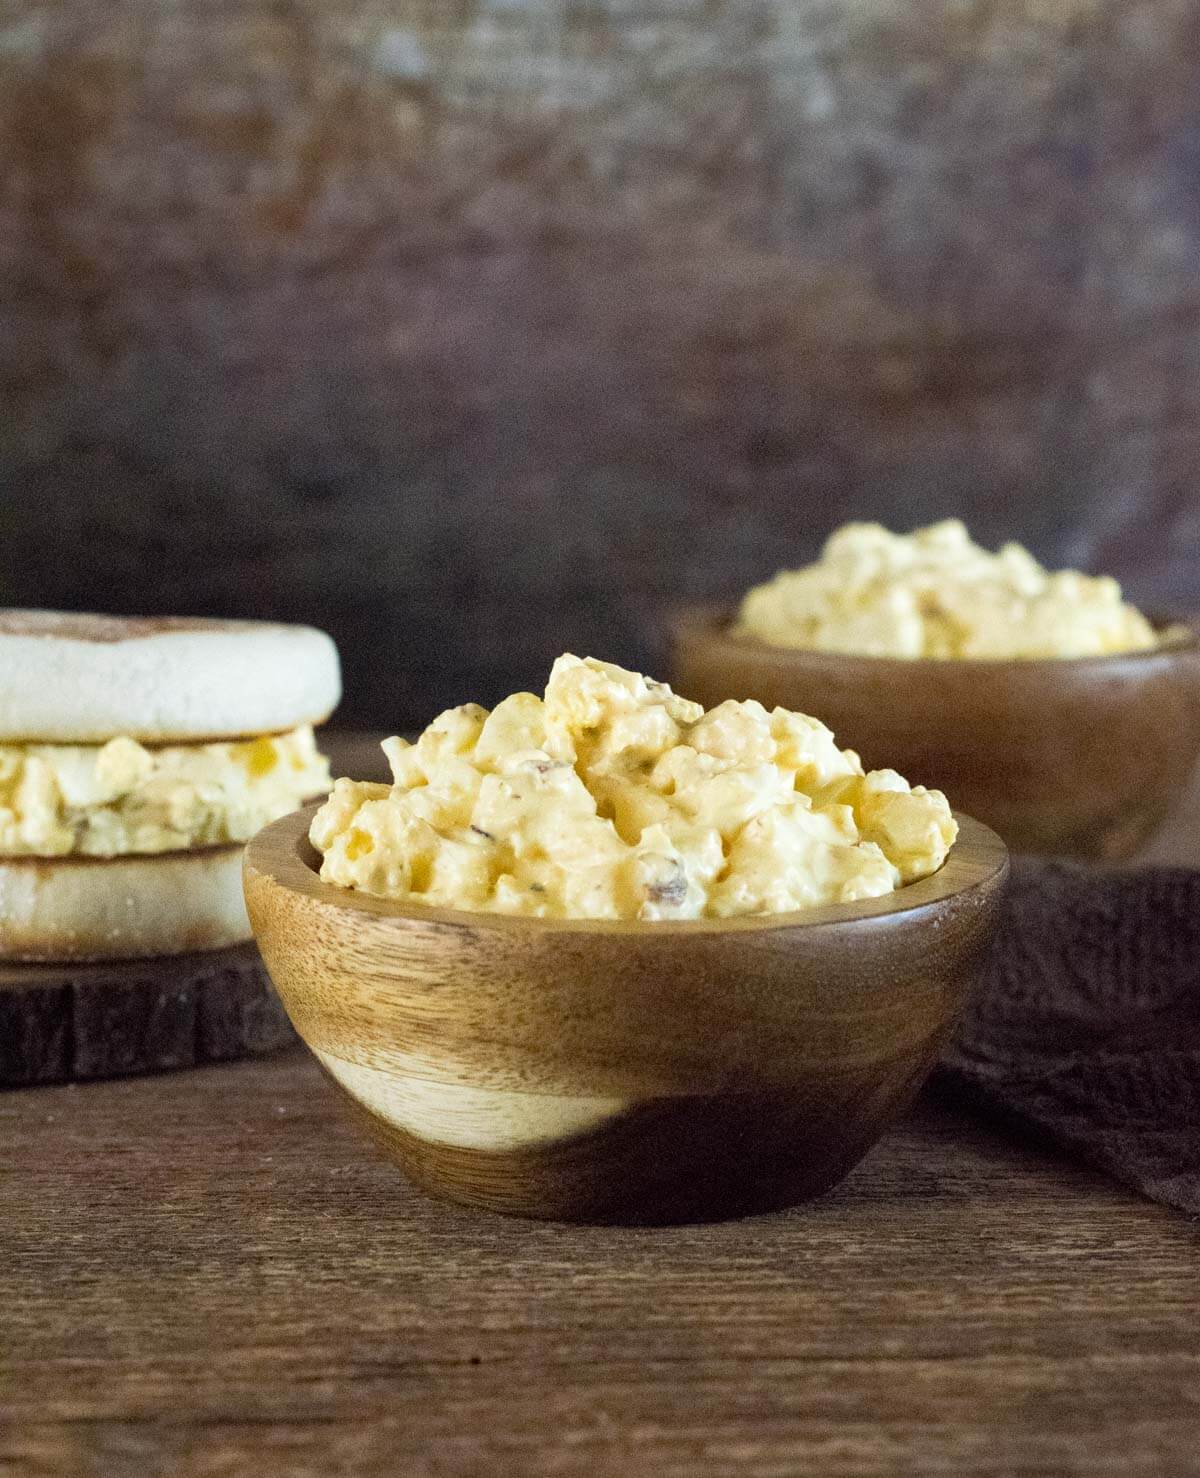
<point x="130" y="1016"/>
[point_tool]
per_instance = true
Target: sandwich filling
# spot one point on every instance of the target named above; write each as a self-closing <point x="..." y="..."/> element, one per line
<point x="124" y="798"/>
<point x="612" y="798"/>
<point x="936" y="593"/>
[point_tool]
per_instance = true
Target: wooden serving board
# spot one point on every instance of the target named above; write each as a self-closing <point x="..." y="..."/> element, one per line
<point x="74" y="1022"/>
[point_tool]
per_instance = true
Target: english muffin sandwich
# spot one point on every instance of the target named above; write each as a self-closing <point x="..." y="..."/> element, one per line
<point x="136" y="757"/>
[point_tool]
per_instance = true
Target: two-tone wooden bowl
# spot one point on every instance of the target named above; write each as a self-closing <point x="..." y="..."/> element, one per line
<point x="634" y="1072"/>
<point x="1077" y="756"/>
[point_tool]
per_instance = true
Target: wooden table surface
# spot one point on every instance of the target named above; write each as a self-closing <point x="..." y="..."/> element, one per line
<point x="210" y="1273"/>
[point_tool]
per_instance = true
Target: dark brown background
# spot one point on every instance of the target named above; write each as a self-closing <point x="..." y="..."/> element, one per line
<point x="474" y="331"/>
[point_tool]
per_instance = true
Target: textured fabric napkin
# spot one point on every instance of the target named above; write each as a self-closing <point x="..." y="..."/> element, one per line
<point x="1087" y="1027"/>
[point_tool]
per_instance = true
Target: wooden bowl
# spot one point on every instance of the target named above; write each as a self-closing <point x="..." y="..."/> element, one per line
<point x="632" y="1072"/>
<point x="1077" y="756"/>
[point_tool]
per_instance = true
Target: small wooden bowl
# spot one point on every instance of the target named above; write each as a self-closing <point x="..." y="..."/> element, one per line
<point x="1076" y="756"/>
<point x="631" y="1072"/>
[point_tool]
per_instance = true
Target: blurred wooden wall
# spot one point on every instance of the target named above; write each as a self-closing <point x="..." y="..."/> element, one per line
<point x="477" y="330"/>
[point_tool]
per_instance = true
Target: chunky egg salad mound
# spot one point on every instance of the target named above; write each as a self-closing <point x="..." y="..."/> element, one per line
<point x="614" y="799"/>
<point x="935" y="593"/>
<point x="121" y="798"/>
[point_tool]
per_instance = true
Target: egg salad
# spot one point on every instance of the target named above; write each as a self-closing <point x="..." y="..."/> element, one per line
<point x="612" y="798"/>
<point x="122" y="798"/>
<point x="936" y="593"/>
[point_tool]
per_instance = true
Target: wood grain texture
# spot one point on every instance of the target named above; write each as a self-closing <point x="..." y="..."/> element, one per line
<point x="478" y="330"/>
<point x="205" y="1274"/>
<point x="1079" y="758"/>
<point x="588" y="1070"/>
<point x="132" y="1016"/>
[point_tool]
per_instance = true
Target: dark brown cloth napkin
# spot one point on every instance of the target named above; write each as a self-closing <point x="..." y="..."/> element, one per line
<point x="1086" y="1028"/>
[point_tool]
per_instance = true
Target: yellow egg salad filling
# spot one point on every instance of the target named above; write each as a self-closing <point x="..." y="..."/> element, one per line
<point x="122" y="798"/>
<point x="611" y="798"/>
<point x="935" y="593"/>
